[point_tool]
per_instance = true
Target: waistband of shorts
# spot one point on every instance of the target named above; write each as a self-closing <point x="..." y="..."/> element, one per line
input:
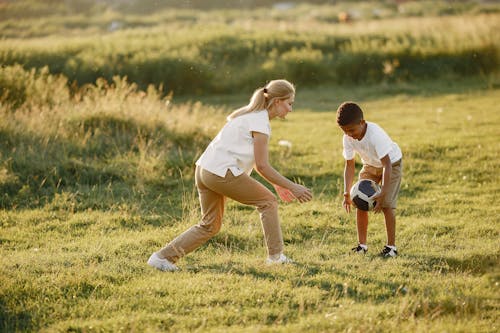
<point x="398" y="162"/>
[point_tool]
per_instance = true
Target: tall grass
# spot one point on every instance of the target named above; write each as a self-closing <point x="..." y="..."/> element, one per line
<point x="101" y="134"/>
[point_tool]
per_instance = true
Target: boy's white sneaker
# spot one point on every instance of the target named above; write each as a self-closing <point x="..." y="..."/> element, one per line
<point x="360" y="249"/>
<point x="389" y="252"/>
<point x="161" y="264"/>
<point x="281" y="259"/>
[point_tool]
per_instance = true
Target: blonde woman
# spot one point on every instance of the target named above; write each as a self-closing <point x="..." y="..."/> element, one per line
<point x="223" y="171"/>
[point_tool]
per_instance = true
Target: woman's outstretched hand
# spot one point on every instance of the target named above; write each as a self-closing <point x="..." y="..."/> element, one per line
<point x="285" y="194"/>
<point x="299" y="192"/>
<point x="302" y="193"/>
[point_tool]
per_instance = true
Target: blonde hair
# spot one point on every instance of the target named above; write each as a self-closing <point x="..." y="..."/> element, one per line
<point x="263" y="97"/>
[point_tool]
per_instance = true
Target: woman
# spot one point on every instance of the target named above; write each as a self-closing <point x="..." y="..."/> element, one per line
<point x="223" y="170"/>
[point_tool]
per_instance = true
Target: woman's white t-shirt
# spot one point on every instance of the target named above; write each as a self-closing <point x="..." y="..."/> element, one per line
<point x="232" y="148"/>
<point x="372" y="147"/>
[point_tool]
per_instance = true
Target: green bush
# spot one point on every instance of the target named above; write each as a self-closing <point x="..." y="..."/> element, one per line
<point x="229" y="61"/>
<point x="192" y="52"/>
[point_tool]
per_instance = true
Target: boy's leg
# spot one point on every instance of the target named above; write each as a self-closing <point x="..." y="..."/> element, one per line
<point x="390" y="225"/>
<point x="375" y="174"/>
<point x="362" y="225"/>
<point x="390" y="203"/>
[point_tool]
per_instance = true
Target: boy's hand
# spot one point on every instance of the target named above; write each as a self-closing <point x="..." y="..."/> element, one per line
<point x="379" y="198"/>
<point x="347" y="202"/>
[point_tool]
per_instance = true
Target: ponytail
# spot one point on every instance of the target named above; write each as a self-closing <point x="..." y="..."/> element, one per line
<point x="263" y="98"/>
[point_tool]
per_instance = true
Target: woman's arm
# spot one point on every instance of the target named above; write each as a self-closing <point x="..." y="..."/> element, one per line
<point x="262" y="166"/>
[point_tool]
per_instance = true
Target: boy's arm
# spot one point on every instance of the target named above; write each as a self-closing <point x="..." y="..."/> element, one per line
<point x="386" y="179"/>
<point x="349" y="169"/>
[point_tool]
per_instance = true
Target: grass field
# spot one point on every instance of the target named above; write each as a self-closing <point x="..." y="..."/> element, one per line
<point x="96" y="166"/>
<point x="77" y="262"/>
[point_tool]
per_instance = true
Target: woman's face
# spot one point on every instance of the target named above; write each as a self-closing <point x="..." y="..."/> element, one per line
<point x="282" y="107"/>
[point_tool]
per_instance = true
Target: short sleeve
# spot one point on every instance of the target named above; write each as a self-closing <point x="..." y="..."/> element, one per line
<point x="260" y="123"/>
<point x="348" y="151"/>
<point x="383" y="143"/>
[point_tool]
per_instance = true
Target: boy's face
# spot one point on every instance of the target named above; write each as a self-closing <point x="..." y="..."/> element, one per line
<point x="356" y="131"/>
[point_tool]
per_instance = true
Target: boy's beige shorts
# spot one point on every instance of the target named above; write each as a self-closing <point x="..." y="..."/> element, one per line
<point x="375" y="174"/>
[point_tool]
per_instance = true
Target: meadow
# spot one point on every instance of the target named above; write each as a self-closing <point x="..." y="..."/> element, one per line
<point x="193" y="52"/>
<point x="96" y="175"/>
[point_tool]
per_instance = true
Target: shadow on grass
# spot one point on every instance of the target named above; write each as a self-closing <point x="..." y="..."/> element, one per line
<point x="98" y="161"/>
<point x="477" y="264"/>
<point x="335" y="282"/>
<point x="14" y="319"/>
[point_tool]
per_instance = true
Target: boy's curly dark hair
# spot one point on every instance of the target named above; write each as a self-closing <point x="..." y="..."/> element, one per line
<point x="349" y="113"/>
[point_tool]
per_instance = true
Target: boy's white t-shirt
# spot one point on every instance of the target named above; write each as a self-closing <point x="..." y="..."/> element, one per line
<point x="372" y="147"/>
<point x="232" y="148"/>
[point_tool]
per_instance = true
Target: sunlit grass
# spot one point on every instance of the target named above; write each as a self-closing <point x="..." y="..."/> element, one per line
<point x="93" y="178"/>
<point x="75" y="259"/>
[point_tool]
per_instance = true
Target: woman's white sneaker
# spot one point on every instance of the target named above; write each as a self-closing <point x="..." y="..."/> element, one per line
<point x="161" y="264"/>
<point x="278" y="259"/>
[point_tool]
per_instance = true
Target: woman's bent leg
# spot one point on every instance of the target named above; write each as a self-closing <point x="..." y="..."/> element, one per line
<point x="249" y="191"/>
<point x="212" y="210"/>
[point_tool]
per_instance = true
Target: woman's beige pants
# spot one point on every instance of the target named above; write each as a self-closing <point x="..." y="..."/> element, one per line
<point x="212" y="191"/>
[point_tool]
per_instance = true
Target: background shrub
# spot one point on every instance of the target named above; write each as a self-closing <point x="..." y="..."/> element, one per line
<point x="189" y="51"/>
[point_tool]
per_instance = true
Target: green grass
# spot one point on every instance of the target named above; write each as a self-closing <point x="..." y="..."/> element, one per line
<point x="75" y="260"/>
<point x="195" y="52"/>
<point x="95" y="177"/>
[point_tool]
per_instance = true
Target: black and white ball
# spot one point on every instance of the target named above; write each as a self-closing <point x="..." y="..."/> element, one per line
<point x="362" y="194"/>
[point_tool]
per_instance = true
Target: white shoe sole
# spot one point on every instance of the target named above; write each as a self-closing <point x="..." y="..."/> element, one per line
<point x="161" y="264"/>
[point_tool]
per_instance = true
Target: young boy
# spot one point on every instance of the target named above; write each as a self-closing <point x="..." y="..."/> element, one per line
<point x="382" y="162"/>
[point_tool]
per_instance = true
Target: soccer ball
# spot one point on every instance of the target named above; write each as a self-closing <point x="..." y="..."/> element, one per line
<point x="362" y="194"/>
